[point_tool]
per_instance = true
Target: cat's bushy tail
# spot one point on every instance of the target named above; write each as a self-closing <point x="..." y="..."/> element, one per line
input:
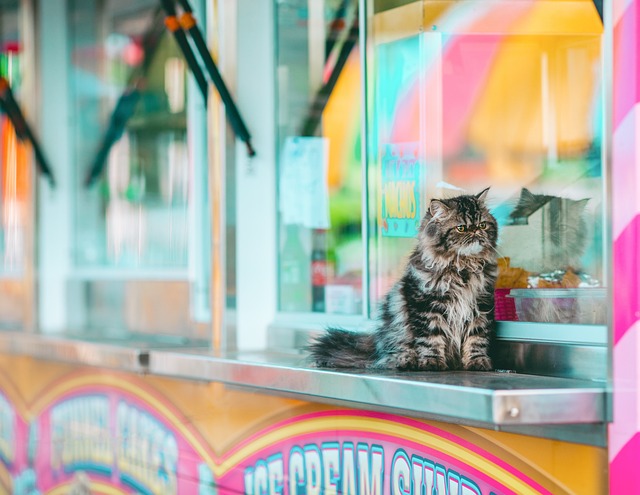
<point x="340" y="348"/>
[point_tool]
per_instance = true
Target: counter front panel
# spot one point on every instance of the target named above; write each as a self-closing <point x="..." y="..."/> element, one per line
<point x="67" y="428"/>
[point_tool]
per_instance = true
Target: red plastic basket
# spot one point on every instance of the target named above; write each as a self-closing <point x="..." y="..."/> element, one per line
<point x="505" y="307"/>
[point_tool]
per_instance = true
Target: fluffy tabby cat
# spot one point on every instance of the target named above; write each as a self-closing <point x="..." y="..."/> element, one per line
<point x="439" y="315"/>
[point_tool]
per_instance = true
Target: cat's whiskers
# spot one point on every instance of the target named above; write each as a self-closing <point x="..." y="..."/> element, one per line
<point x="500" y="255"/>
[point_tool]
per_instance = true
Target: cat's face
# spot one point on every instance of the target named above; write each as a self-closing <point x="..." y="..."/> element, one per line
<point x="462" y="225"/>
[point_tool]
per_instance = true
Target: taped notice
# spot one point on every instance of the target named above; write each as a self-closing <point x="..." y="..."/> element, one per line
<point x="304" y="191"/>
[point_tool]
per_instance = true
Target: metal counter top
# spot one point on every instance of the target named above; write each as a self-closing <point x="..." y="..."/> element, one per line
<point x="489" y="398"/>
<point x="562" y="408"/>
<point x="70" y="350"/>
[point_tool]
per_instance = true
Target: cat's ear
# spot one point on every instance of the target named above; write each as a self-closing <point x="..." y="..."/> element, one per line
<point x="482" y="195"/>
<point x="581" y="204"/>
<point x="437" y="208"/>
<point x="527" y="195"/>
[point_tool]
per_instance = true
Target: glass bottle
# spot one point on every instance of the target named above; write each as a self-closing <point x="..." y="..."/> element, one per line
<point x="294" y="273"/>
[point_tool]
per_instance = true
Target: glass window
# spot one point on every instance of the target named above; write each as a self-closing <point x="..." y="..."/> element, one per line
<point x="139" y="216"/>
<point x="129" y="99"/>
<point x="461" y="96"/>
<point x="504" y="94"/>
<point x="320" y="176"/>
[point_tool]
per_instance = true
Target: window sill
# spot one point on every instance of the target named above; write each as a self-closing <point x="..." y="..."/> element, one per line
<point x="562" y="408"/>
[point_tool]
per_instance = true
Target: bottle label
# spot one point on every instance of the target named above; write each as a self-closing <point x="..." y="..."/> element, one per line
<point x="319" y="272"/>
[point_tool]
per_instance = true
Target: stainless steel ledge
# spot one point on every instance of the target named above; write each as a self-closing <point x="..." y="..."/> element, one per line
<point x="489" y="399"/>
<point x="577" y="361"/>
<point x="547" y="349"/>
<point x="122" y="357"/>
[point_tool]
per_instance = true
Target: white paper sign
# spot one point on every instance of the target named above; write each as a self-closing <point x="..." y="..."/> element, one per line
<point x="340" y="299"/>
<point x="304" y="192"/>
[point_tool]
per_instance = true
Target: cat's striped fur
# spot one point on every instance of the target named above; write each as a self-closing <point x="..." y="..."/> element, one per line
<point x="439" y="315"/>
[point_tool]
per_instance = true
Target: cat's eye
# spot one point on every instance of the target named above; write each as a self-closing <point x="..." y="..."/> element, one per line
<point x="461" y="228"/>
<point x="482" y="225"/>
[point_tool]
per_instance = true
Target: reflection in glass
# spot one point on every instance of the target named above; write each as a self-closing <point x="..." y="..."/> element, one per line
<point x="319" y="97"/>
<point x="136" y="215"/>
<point x="504" y="94"/>
<point x="15" y="181"/>
<point x="140" y="268"/>
<point x="15" y="165"/>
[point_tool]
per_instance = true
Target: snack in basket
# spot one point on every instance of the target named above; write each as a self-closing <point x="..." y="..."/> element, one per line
<point x="511" y="277"/>
<point x="565" y="280"/>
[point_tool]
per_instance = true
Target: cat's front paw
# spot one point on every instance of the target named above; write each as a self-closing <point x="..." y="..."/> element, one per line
<point x="479" y="364"/>
<point x="404" y="360"/>
<point x="431" y="358"/>
<point x="432" y="363"/>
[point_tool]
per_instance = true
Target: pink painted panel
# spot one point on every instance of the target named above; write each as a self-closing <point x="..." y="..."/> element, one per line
<point x="623" y="470"/>
<point x="626" y="140"/>
<point x="625" y="276"/>
<point x="625" y="62"/>
<point x="624" y="447"/>
<point x="626" y="412"/>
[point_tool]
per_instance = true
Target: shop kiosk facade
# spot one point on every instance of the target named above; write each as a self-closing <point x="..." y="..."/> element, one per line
<point x="153" y="321"/>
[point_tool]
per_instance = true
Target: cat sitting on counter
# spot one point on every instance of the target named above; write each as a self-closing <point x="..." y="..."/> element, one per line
<point x="439" y="315"/>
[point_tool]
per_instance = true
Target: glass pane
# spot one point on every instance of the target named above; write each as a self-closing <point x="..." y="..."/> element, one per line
<point x="319" y="90"/>
<point x="15" y="179"/>
<point x="505" y="94"/>
<point x="139" y="149"/>
<point x="136" y="215"/>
